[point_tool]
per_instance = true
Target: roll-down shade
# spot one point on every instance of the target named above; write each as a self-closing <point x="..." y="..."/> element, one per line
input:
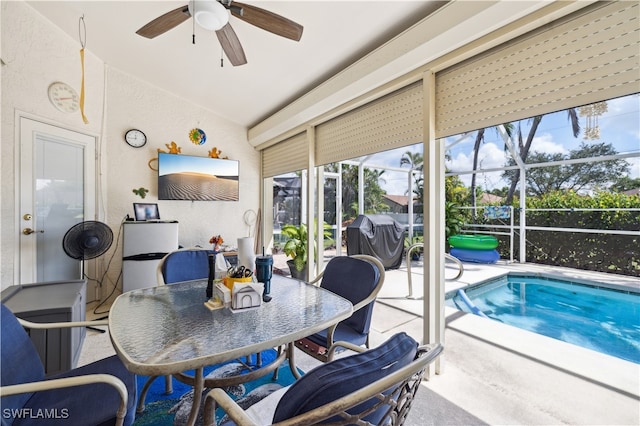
<point x="589" y="56"/>
<point x="392" y="121"/>
<point x="287" y="156"/>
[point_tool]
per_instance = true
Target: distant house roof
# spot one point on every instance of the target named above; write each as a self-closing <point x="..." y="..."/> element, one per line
<point x="487" y="198"/>
<point x="632" y="192"/>
<point x="401" y="200"/>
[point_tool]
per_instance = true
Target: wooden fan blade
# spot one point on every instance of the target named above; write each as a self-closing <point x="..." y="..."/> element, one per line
<point x="164" y="23"/>
<point x="231" y="45"/>
<point x="268" y="21"/>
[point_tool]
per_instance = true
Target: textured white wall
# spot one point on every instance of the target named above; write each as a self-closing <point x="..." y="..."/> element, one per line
<point x="164" y="118"/>
<point x="37" y="53"/>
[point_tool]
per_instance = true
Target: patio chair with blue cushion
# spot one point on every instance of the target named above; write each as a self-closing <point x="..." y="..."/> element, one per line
<point x="184" y="265"/>
<point x="357" y="278"/>
<point x="100" y="393"/>
<point x="374" y="387"/>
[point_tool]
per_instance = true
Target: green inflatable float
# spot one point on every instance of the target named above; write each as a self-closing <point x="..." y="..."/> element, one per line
<point x="473" y="242"/>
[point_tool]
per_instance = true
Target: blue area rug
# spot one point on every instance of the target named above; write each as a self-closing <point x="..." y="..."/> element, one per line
<point x="169" y="410"/>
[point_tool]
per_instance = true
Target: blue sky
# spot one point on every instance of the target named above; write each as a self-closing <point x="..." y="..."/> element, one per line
<point x="620" y="126"/>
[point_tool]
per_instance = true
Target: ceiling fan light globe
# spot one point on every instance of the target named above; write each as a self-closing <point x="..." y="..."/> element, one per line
<point x="209" y="14"/>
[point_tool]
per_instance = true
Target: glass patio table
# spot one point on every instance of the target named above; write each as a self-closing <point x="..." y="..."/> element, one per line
<point x="167" y="330"/>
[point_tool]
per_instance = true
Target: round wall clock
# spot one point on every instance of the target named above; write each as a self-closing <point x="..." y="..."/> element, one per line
<point x="63" y="97"/>
<point x="135" y="138"/>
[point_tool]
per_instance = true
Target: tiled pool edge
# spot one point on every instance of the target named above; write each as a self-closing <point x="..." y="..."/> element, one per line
<point x="595" y="279"/>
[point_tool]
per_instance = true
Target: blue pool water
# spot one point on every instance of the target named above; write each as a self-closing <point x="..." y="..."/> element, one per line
<point x="604" y="320"/>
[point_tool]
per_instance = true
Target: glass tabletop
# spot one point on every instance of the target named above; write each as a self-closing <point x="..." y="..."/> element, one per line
<point x="168" y="329"/>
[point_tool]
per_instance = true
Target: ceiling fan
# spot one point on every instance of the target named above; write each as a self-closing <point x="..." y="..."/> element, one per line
<point x="214" y="15"/>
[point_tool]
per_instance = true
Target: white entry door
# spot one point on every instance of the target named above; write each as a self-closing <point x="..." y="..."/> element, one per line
<point x="56" y="190"/>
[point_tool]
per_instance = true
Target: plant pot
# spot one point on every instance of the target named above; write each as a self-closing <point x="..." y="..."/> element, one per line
<point x="299" y="275"/>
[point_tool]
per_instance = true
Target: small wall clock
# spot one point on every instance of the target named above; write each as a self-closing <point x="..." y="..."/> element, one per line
<point x="135" y="138"/>
<point x="63" y="97"/>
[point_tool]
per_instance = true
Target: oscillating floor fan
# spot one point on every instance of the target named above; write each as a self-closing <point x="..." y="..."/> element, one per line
<point x="87" y="240"/>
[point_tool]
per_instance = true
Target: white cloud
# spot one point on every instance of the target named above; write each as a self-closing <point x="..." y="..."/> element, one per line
<point x="490" y="156"/>
<point x="396" y="183"/>
<point x="634" y="169"/>
<point x="459" y="162"/>
<point x="545" y="144"/>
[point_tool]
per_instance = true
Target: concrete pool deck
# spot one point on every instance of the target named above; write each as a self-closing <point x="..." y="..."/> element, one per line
<point x="498" y="374"/>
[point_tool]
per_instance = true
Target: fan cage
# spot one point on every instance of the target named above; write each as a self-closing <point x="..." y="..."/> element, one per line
<point x="87" y="240"/>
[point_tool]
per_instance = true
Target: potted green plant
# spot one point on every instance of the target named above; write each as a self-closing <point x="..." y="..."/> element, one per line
<point x="417" y="252"/>
<point x="296" y="248"/>
<point x="454" y="220"/>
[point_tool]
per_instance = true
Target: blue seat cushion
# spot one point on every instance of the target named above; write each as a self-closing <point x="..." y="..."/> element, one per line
<point x="354" y="279"/>
<point x="343" y="332"/>
<point x="344" y="376"/>
<point x="17" y="349"/>
<point x="186" y="265"/>
<point x="94" y="404"/>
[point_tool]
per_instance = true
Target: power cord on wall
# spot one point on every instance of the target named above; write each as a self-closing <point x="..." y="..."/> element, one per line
<point x="104" y="274"/>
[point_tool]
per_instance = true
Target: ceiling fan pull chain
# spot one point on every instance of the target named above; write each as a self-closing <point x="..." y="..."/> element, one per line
<point x="221" y="59"/>
<point x="193" y="35"/>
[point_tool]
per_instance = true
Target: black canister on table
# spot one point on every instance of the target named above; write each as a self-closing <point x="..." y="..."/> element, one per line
<point x="212" y="275"/>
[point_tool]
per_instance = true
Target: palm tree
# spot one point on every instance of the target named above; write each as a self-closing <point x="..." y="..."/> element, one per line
<point x="415" y="162"/>
<point x="413" y="159"/>
<point x="476" y="149"/>
<point x="572" y="115"/>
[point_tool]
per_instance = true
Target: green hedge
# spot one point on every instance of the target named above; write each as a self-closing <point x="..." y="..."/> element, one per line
<point x="589" y="251"/>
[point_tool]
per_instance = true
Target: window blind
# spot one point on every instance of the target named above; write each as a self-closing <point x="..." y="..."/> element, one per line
<point x="583" y="58"/>
<point x="392" y="121"/>
<point x="287" y="156"/>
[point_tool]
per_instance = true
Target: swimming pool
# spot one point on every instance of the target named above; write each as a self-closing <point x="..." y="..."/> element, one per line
<point x="597" y="318"/>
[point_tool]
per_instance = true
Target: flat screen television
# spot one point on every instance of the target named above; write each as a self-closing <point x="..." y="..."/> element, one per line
<point x="185" y="177"/>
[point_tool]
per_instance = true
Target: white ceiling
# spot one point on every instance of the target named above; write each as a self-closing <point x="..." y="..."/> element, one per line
<point x="336" y="34"/>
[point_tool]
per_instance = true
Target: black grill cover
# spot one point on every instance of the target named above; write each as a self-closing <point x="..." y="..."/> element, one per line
<point x="379" y="236"/>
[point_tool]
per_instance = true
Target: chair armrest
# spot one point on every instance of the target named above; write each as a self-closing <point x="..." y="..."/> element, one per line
<point x="233" y="410"/>
<point x="332" y="350"/>
<point x="426" y="355"/>
<point x="378" y="390"/>
<point x="47" y="325"/>
<point x="316" y="281"/>
<point x="159" y="274"/>
<point x="68" y="382"/>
